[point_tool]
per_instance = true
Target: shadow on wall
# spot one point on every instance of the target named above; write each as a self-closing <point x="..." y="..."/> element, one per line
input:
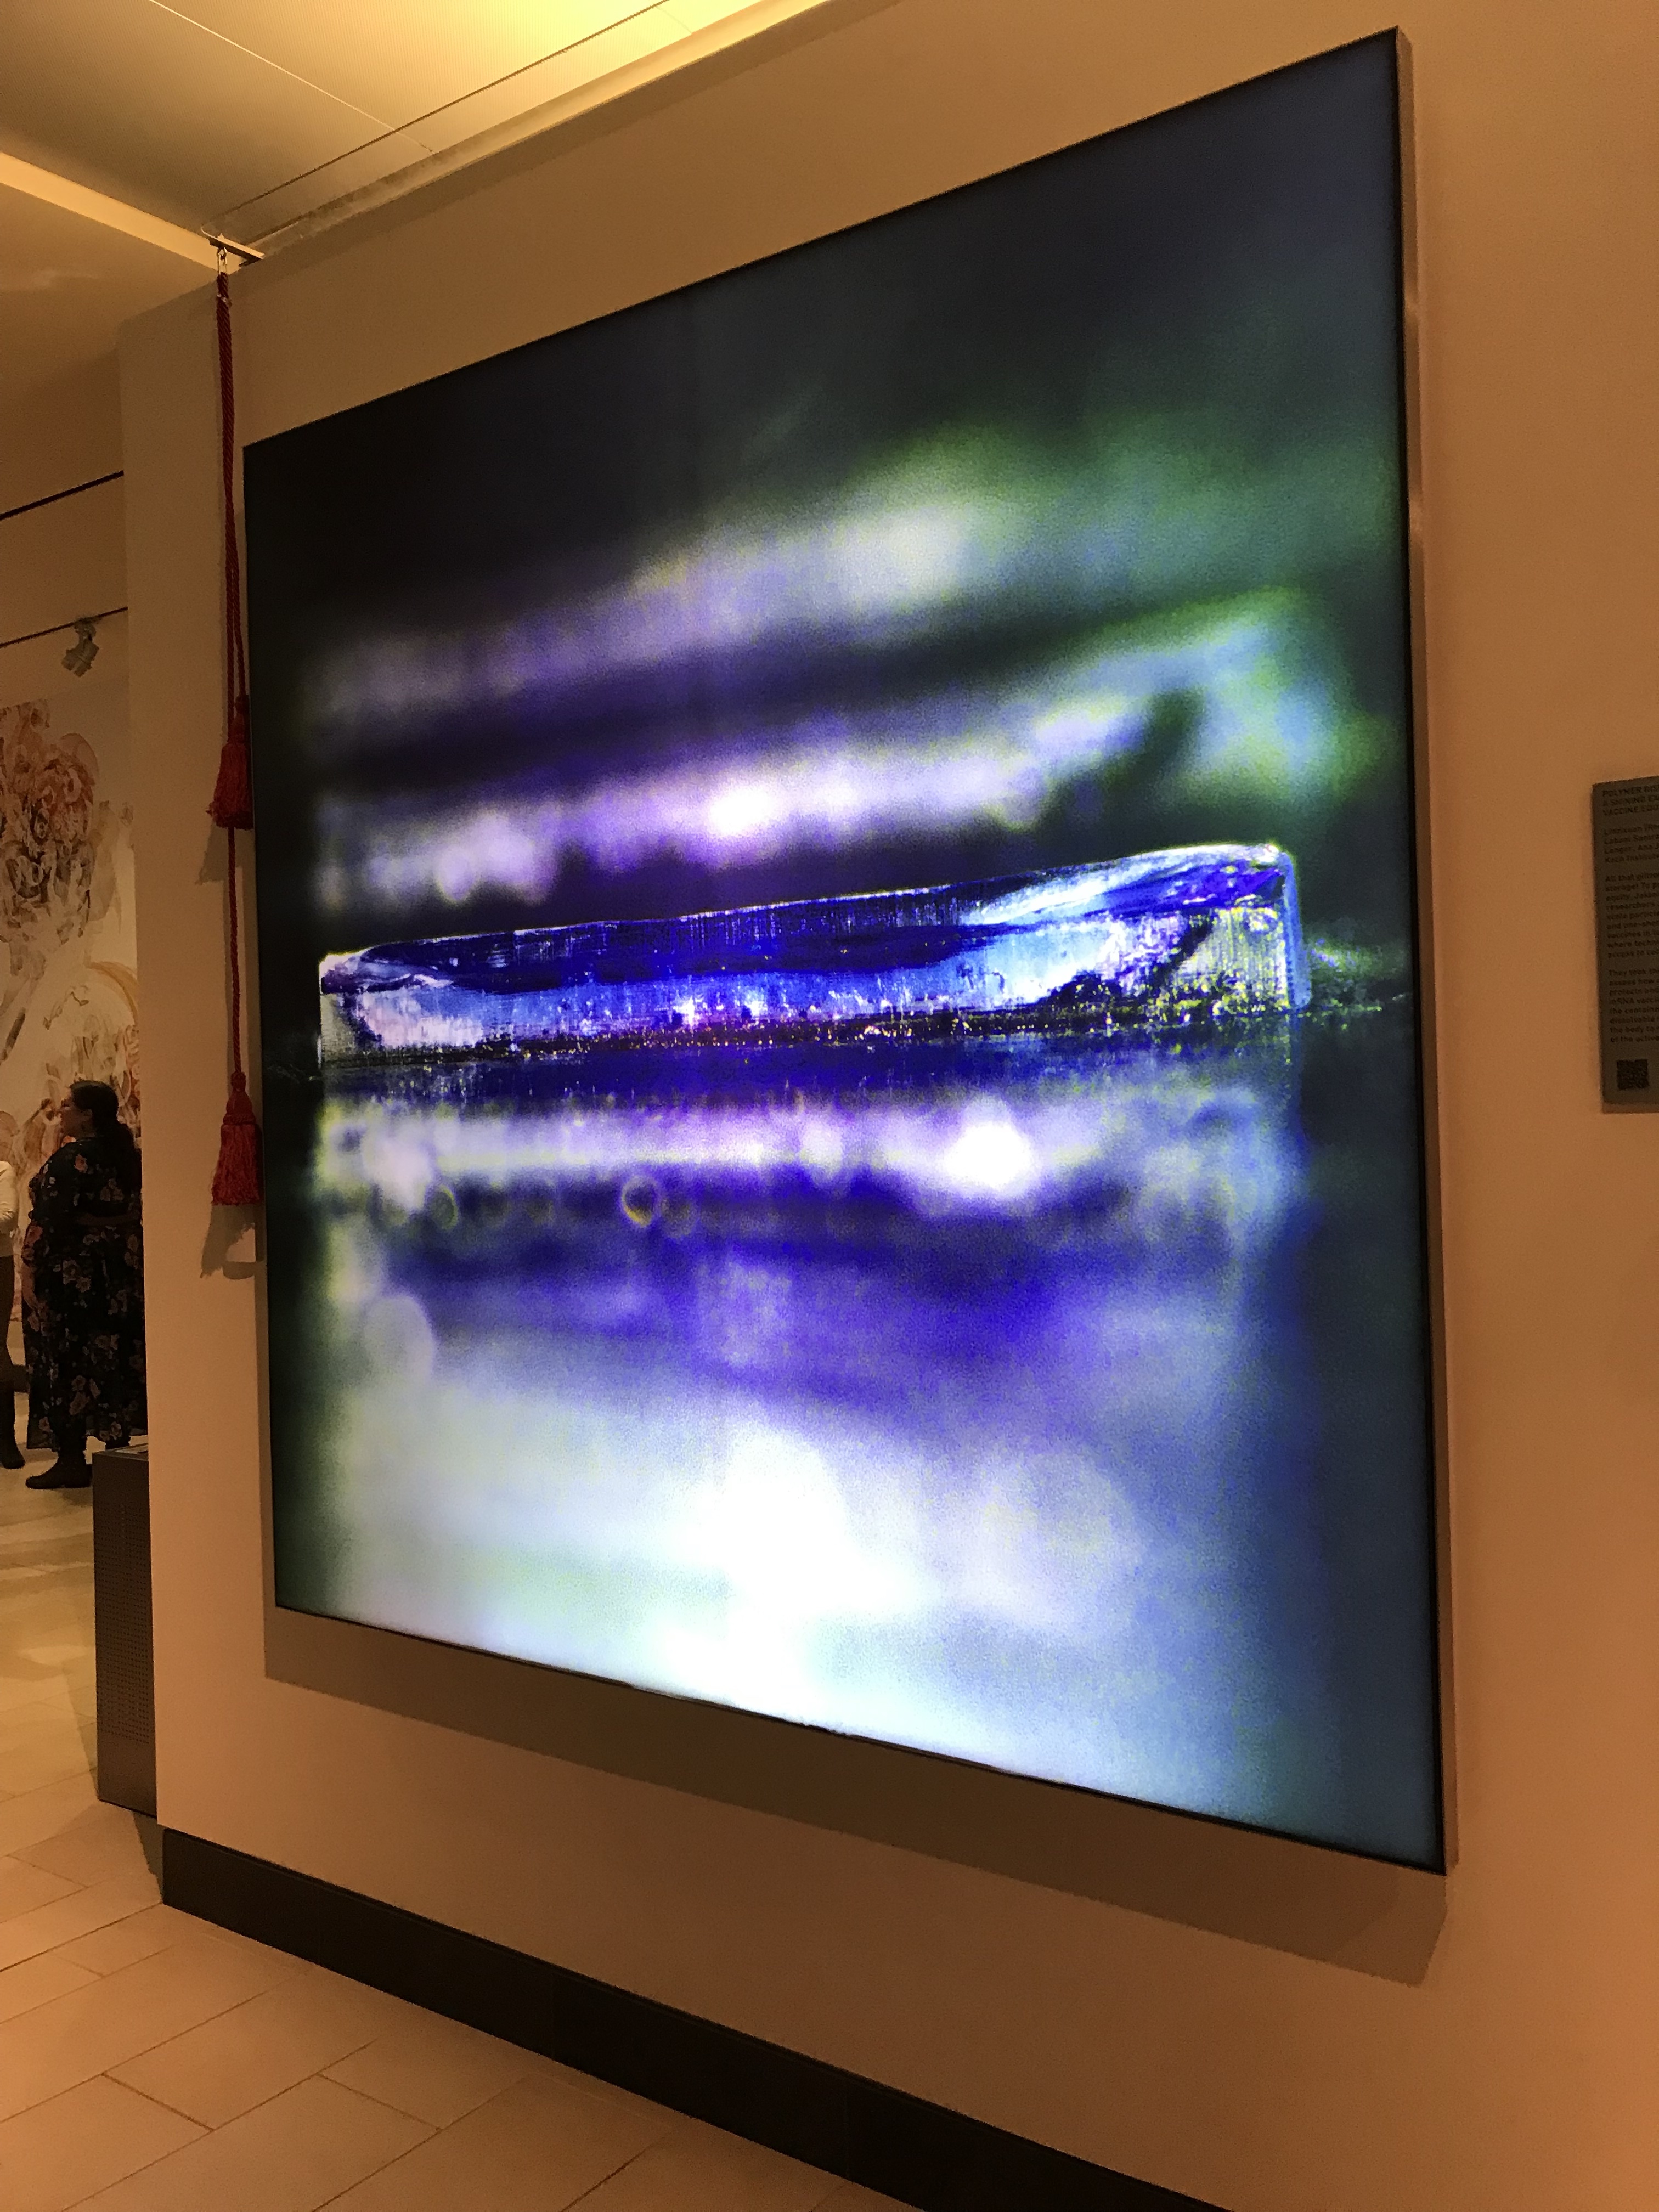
<point x="1364" y="1914"/>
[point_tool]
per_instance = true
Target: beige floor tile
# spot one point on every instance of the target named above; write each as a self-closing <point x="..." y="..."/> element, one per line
<point x="291" y="2156"/>
<point x="216" y="2072"/>
<point x="23" y="1631"/>
<point x="24" y="1887"/>
<point x="68" y="1512"/>
<point x="393" y="2013"/>
<point x="31" y="1766"/>
<point x="41" y="1812"/>
<point x="849" y="2198"/>
<point x="101" y="1842"/>
<point x="393" y="2010"/>
<point x="36" y="1560"/>
<point x="29" y="1934"/>
<point x="47" y="1635"/>
<point x="49" y="1719"/>
<point x="51" y="1752"/>
<point x="123" y="1942"/>
<point x="433" y="2068"/>
<point x="33" y="1660"/>
<point x="41" y="1616"/>
<point x="44" y="1615"/>
<point x="112" y="2019"/>
<point x="57" y="2153"/>
<point x="29" y="1521"/>
<point x="536" y="2147"/>
<point x="143" y="1934"/>
<point x="42" y="1611"/>
<point x="280" y="1962"/>
<point x="37" y="1982"/>
<point x="33" y="1532"/>
<point x="607" y="2091"/>
<point x="25" y="1511"/>
<point x="18" y="1691"/>
<point x="698" y="2169"/>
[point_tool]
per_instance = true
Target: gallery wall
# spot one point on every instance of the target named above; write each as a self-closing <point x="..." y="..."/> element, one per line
<point x="69" y="1006"/>
<point x="1504" y="2059"/>
<point x="64" y="431"/>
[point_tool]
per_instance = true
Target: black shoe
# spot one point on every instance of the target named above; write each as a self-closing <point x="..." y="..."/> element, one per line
<point x="10" y="1455"/>
<point x="61" y="1474"/>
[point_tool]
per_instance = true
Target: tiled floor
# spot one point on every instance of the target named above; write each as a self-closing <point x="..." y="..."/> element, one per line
<point x="150" y="2063"/>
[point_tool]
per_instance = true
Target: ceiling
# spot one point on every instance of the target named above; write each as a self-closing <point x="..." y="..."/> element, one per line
<point x="129" y="127"/>
<point x="69" y="264"/>
<point x="207" y="113"/>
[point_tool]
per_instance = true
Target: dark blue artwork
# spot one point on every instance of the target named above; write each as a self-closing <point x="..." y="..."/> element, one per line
<point x="838" y="980"/>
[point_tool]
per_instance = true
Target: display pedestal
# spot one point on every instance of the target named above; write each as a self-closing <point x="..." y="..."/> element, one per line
<point x="123" y="1629"/>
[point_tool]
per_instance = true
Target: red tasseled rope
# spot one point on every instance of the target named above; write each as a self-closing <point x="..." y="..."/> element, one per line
<point x="232" y="793"/>
<point x="239" y="1179"/>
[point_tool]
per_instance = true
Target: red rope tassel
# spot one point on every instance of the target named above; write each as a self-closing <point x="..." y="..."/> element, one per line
<point x="232" y="793"/>
<point x="238" y="1178"/>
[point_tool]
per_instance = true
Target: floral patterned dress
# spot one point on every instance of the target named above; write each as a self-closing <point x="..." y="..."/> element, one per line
<point x="83" y="1299"/>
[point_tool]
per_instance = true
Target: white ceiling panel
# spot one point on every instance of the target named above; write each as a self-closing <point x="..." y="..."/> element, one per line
<point x="698" y="15"/>
<point x="527" y="94"/>
<point x="67" y="284"/>
<point x="267" y="118"/>
<point x="194" y="112"/>
<point x="645" y="32"/>
<point x="400" y="58"/>
<point x="137" y="102"/>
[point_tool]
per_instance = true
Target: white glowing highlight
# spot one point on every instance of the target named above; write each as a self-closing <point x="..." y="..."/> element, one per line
<point x="935" y="769"/>
<point x="993" y="1158"/>
<point x="1199" y="1151"/>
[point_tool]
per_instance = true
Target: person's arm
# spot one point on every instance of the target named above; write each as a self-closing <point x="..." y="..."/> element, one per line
<point x="8" y="1204"/>
<point x="53" y="1193"/>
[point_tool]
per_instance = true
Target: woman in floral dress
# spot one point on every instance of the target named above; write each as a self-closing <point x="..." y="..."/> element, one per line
<point x="83" y="1290"/>
<point x="10" y="1455"/>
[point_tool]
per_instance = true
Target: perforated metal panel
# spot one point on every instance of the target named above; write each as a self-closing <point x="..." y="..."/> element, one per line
<point x="125" y="1630"/>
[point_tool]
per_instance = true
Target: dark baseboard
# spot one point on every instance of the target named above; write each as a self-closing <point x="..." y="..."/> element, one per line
<point x="901" y="2146"/>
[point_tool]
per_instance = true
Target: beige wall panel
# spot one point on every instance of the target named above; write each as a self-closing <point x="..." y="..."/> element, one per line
<point x="36" y="671"/>
<point x="66" y="431"/>
<point x="1515" y="2074"/>
<point x="63" y="560"/>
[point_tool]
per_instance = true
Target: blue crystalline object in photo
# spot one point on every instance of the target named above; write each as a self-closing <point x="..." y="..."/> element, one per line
<point x="1203" y="934"/>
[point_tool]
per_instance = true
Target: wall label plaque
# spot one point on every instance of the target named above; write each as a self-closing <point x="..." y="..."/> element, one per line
<point x="1626" y="818"/>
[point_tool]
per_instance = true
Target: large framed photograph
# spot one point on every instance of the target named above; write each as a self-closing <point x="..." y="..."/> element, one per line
<point x="840" y="971"/>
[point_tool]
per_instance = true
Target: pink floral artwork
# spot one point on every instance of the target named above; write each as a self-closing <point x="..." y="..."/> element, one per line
<point x="69" y="993"/>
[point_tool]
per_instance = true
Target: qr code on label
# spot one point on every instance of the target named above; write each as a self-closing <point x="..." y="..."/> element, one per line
<point x="1631" y="1074"/>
